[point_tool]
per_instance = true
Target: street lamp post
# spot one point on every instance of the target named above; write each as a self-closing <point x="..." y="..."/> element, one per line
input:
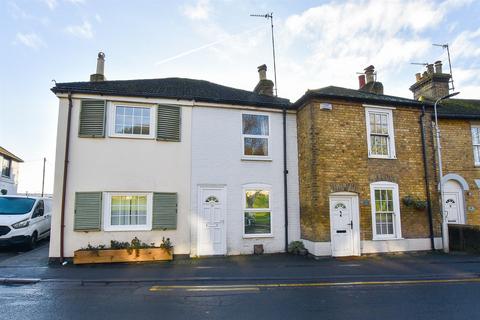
<point x="440" y="173"/>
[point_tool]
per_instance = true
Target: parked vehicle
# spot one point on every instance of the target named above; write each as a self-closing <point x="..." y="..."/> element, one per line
<point x="24" y="220"/>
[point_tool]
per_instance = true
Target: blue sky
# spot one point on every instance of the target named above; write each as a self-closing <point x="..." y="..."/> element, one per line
<point x="319" y="43"/>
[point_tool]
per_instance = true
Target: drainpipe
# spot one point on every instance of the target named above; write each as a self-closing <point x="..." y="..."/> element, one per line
<point x="425" y="168"/>
<point x="285" y="173"/>
<point x="65" y="167"/>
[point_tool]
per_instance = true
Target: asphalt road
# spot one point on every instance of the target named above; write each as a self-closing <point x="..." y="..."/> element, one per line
<point x="49" y="300"/>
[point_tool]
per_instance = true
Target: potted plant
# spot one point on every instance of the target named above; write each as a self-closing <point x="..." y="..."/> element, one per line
<point x="297" y="247"/>
<point x="133" y="251"/>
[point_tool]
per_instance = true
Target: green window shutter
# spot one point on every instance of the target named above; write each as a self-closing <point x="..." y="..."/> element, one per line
<point x="168" y="123"/>
<point x="88" y="211"/>
<point x="92" y="119"/>
<point x="164" y="211"/>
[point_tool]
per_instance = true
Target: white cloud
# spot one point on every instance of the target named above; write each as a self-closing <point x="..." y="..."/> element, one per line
<point x="84" y="30"/>
<point x="76" y="1"/>
<point x="198" y="11"/>
<point x="467" y="44"/>
<point x="98" y="18"/>
<point x="31" y="40"/>
<point x="51" y="4"/>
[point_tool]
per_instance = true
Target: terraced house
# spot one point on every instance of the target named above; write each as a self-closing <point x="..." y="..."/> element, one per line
<point x="197" y="162"/>
<point x="366" y="162"/>
<point x="459" y="123"/>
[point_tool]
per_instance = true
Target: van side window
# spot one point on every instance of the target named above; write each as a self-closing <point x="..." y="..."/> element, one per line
<point x="39" y="209"/>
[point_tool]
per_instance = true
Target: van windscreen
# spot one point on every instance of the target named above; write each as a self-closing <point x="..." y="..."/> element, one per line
<point x="15" y="205"/>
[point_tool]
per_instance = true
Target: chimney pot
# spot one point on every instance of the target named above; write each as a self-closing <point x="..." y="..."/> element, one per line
<point x="438" y="66"/>
<point x="361" y="81"/>
<point x="430" y="68"/>
<point x="418" y="76"/>
<point x="369" y="73"/>
<point x="262" y="72"/>
<point x="99" y="75"/>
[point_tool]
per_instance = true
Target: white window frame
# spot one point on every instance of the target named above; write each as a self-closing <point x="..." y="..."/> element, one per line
<point x="475" y="145"/>
<point x="112" y="106"/>
<point x="262" y="187"/>
<point x="391" y="132"/>
<point x="269" y="150"/>
<point x="107" y="211"/>
<point x="10" y="161"/>
<point x="397" y="226"/>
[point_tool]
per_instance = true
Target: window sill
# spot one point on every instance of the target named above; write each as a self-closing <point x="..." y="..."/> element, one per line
<point x="254" y="236"/>
<point x="132" y="137"/>
<point x="386" y="239"/>
<point x="247" y="158"/>
<point x="384" y="158"/>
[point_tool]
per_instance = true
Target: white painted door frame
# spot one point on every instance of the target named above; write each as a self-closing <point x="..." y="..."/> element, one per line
<point x="355" y="218"/>
<point x="205" y="191"/>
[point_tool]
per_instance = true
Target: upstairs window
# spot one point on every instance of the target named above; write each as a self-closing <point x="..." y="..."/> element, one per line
<point x="256" y="135"/>
<point x="381" y="141"/>
<point x="6" y="167"/>
<point x="132" y="121"/>
<point x="476" y="144"/>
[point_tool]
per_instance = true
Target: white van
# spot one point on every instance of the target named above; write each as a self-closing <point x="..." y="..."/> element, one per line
<point x="24" y="220"/>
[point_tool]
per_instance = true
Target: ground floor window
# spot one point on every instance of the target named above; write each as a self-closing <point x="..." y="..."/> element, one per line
<point x="128" y="211"/>
<point x="385" y="210"/>
<point x="257" y="215"/>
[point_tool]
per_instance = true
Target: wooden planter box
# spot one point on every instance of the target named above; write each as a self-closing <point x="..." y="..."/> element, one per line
<point x="121" y="255"/>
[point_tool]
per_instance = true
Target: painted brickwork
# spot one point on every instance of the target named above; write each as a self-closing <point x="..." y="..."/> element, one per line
<point x="457" y="156"/>
<point x="333" y="156"/>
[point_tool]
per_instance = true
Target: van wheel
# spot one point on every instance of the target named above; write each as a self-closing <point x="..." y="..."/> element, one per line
<point x="32" y="242"/>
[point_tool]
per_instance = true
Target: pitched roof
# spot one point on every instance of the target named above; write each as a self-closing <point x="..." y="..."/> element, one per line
<point x="333" y="92"/>
<point x="174" y="88"/>
<point x="460" y="109"/>
<point x="7" y="153"/>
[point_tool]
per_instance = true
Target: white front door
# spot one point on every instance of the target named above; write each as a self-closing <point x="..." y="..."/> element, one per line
<point x="344" y="226"/>
<point x="453" y="203"/>
<point x="211" y="237"/>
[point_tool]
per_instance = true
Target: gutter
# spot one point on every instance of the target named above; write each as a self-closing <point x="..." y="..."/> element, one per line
<point x="285" y="173"/>
<point x="425" y="169"/>
<point x="65" y="171"/>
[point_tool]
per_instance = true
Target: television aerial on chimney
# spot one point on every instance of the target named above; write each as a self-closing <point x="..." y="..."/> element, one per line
<point x="270" y="16"/>
<point x="445" y="47"/>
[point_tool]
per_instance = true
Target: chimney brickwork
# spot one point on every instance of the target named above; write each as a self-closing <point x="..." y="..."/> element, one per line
<point x="264" y="86"/>
<point x="432" y="84"/>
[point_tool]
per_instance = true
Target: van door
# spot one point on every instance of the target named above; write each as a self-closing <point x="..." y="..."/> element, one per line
<point x="37" y="221"/>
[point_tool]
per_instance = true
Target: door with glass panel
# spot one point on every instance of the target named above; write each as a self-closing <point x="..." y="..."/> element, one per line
<point x="344" y="225"/>
<point x="453" y="202"/>
<point x="211" y="237"/>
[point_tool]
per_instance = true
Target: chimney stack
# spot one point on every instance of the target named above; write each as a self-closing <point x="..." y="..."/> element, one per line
<point x="264" y="86"/>
<point x="99" y="75"/>
<point x="432" y="83"/>
<point x="371" y="85"/>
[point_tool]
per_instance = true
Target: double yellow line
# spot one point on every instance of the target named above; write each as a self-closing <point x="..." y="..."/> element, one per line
<point x="257" y="287"/>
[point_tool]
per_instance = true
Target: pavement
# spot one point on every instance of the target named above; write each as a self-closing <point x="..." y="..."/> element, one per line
<point x="34" y="265"/>
<point x="280" y="286"/>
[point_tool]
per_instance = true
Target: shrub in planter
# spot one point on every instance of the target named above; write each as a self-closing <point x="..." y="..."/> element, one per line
<point x="297" y="247"/>
<point x="414" y="202"/>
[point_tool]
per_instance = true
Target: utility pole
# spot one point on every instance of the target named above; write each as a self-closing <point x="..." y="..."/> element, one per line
<point x="270" y="16"/>
<point x="43" y="177"/>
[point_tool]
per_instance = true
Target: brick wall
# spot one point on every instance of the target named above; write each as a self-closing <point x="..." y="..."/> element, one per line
<point x="333" y="151"/>
<point x="457" y="156"/>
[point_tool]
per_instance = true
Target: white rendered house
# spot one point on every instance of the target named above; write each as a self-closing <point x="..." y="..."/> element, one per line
<point x="9" y="165"/>
<point x="176" y="158"/>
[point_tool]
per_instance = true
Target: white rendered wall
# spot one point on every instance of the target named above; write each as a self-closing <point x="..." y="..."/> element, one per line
<point x="217" y="160"/>
<point x="120" y="164"/>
